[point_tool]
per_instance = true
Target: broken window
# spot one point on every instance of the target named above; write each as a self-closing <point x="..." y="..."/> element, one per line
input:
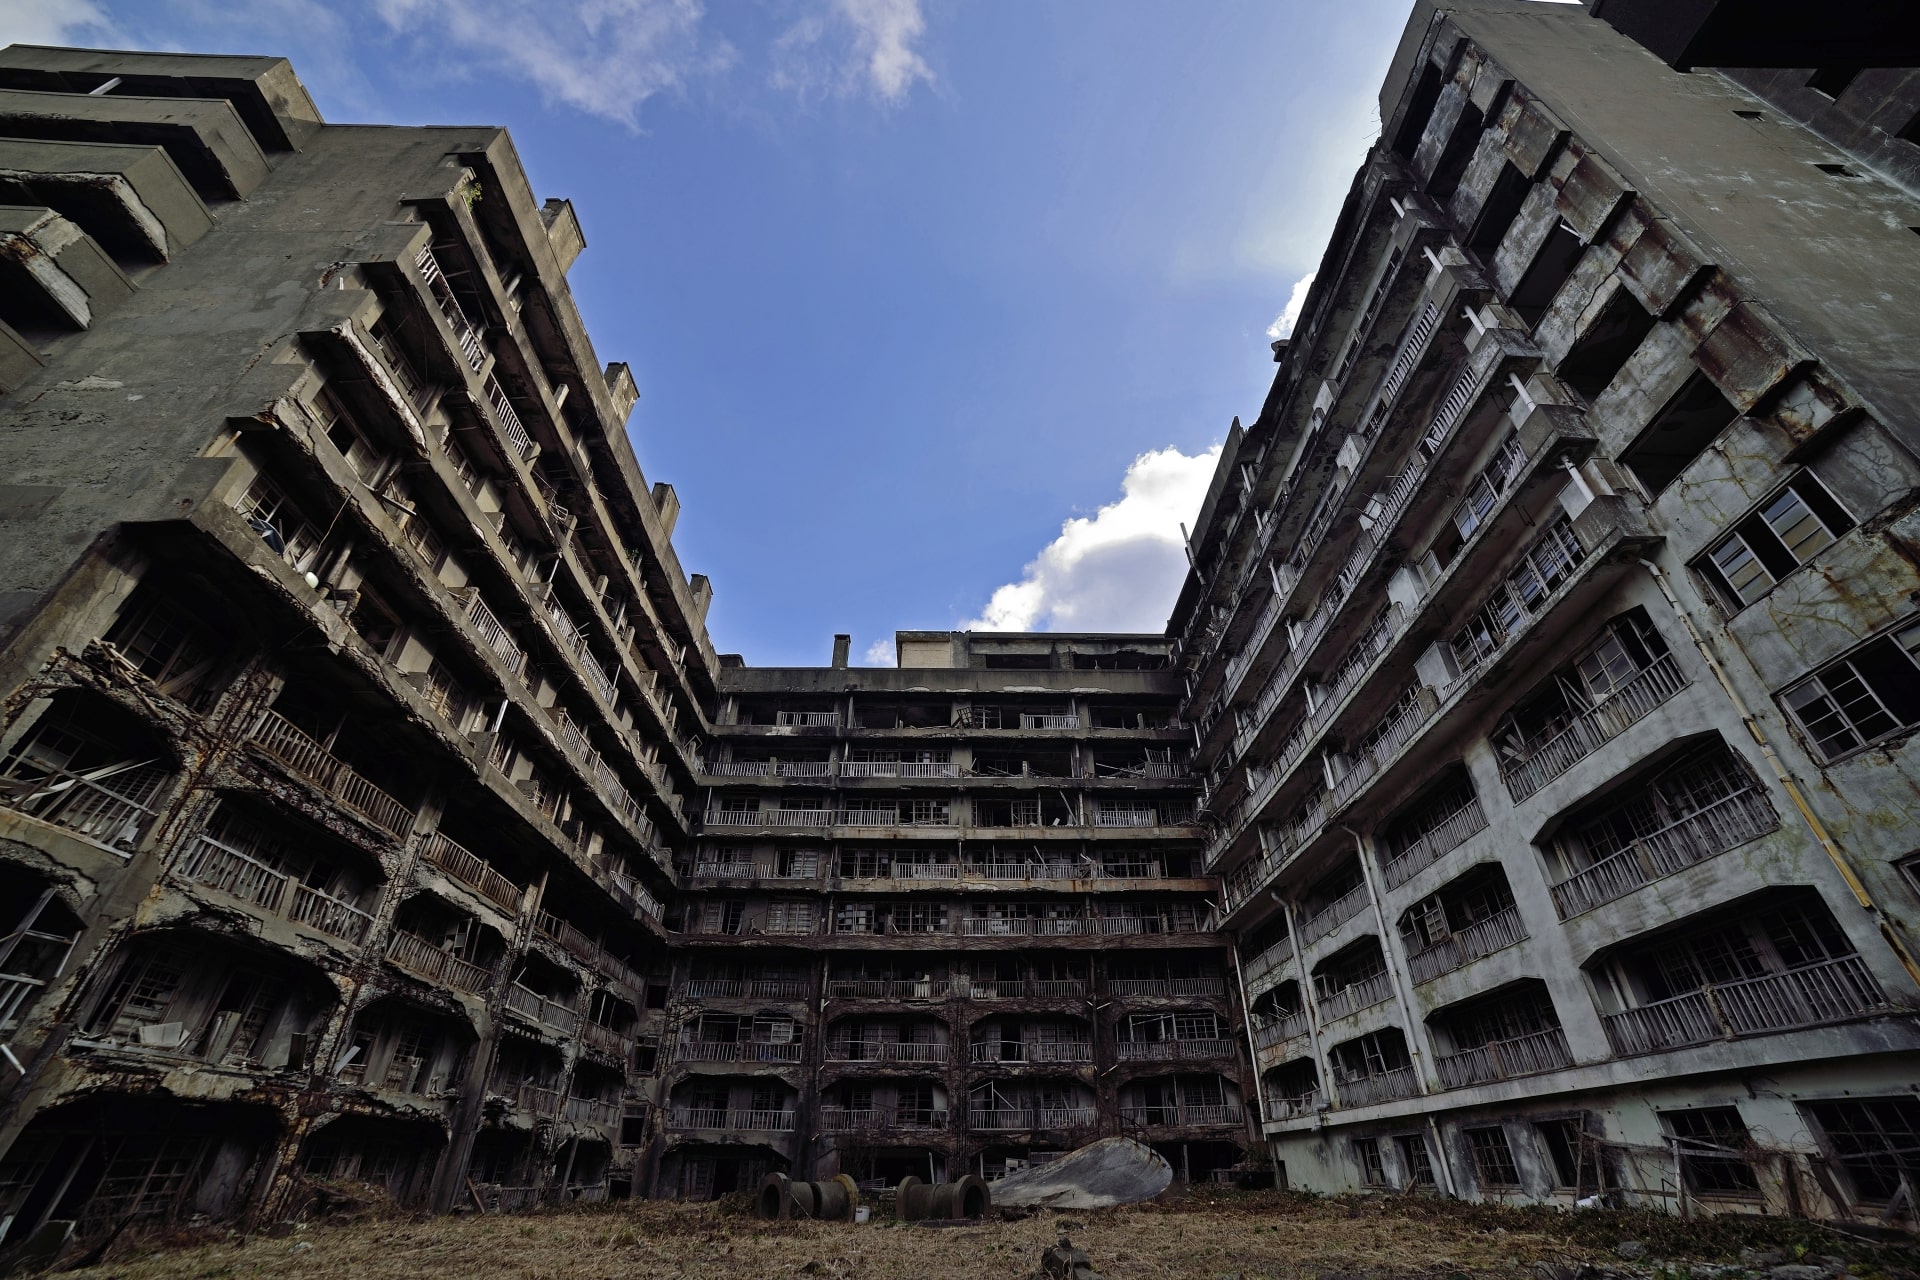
<point x="1415" y="1158"/>
<point x="87" y="767"/>
<point x="1550" y="268"/>
<point x="1711" y="1145"/>
<point x="1502" y="206"/>
<point x="35" y="947"/>
<point x="1493" y="1159"/>
<point x="1868" y="696"/>
<point x="1679" y="433"/>
<point x="288" y="533"/>
<point x="166" y="646"/>
<point x="1786" y="531"/>
<point x="1575" y="1157"/>
<point x="1599" y="354"/>
<point x="1874" y="1141"/>
<point x="1373" y="1172"/>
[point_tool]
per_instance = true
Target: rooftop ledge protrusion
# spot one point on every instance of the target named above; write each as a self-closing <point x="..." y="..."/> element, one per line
<point x="563" y="232"/>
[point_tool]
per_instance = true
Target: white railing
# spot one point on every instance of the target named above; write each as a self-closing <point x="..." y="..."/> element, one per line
<point x="464" y="332"/>
<point x="1526" y="1055"/>
<point x="739" y="768"/>
<point x="1593" y="728"/>
<point x="1003" y="1120"/>
<point x="1184" y="1115"/>
<point x="1031" y="1051"/>
<point x="926" y="871"/>
<point x="1046" y="720"/>
<point x="1498" y="931"/>
<point x="472" y="871"/>
<point x="1726" y="823"/>
<point x="1108" y="815"/>
<point x="280" y="738"/>
<point x="509" y="419"/>
<point x="887" y="1051"/>
<point x="1166" y="986"/>
<point x="1174" y="1050"/>
<point x="808" y="719"/>
<point x="429" y="961"/>
<point x="899" y="769"/>
<point x="803" y="769"/>
<point x="494" y="634"/>
<point x="730" y="1121"/>
<point x="1352" y="998"/>
<point x="1831" y="991"/>
<point x="1441" y="839"/>
<point x="1018" y="926"/>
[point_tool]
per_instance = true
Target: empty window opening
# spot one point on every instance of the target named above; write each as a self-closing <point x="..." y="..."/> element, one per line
<point x="1373" y="1172"/>
<point x="1712" y="1145"/>
<point x="1573" y="1152"/>
<point x="1416" y="1160"/>
<point x="1751" y="115"/>
<point x="1836" y="170"/>
<point x="1832" y="81"/>
<point x="1426" y="93"/>
<point x="1501" y="208"/>
<point x="1604" y="349"/>
<point x="1910" y="131"/>
<point x="1452" y="165"/>
<point x="1679" y="433"/>
<point x="1493" y="1159"/>
<point x="1551" y="267"/>
<point x="1868" y="696"/>
<point x="1786" y="531"/>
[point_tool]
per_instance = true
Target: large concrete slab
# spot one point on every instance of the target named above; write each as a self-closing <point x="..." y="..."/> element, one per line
<point x="132" y="199"/>
<point x="205" y="136"/>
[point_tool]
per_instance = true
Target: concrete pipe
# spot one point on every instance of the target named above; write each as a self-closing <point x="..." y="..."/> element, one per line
<point x="775" y="1200"/>
<point x="913" y="1200"/>
<point x="917" y="1201"/>
<point x="782" y="1198"/>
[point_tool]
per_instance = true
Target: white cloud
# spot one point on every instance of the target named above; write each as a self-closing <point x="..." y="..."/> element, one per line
<point x="1119" y="569"/>
<point x="1282" y="326"/>
<point x="867" y="45"/>
<point x="881" y="653"/>
<point x="603" y="57"/>
<point x="58" y="22"/>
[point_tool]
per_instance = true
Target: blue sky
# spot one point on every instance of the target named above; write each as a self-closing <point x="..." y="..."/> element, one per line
<point x="936" y="306"/>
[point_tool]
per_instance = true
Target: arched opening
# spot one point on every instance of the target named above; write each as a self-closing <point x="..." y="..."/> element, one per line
<point x="394" y="1157"/>
<point x="1006" y="1038"/>
<point x="1351" y="979"/>
<point x="285" y="868"/>
<point x="1514" y="1031"/>
<point x="37" y="936"/>
<point x="1473" y="915"/>
<point x="402" y="1047"/>
<point x="90" y="767"/>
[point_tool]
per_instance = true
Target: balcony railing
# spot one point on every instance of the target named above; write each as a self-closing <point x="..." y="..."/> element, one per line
<point x="1174" y="1050"/>
<point x="1364" y="994"/>
<point x="606" y="1039"/>
<point x="280" y="738"/>
<point x="1443" y="838"/>
<point x="1593" y="728"/>
<point x="593" y="1111"/>
<point x="838" y="1120"/>
<point x="1500" y="930"/>
<point x="429" y="961"/>
<point x="1125" y="816"/>
<point x="547" y="1012"/>
<point x="887" y="1051"/>
<point x="494" y="634"/>
<point x="1726" y="823"/>
<point x="1295" y="1105"/>
<point x="1048" y="720"/>
<point x="1385" y="1086"/>
<point x="926" y="871"/>
<point x="808" y="719"/>
<point x="899" y="769"/>
<point x="1166" y="987"/>
<point x="509" y="419"/>
<point x="972" y="988"/>
<point x="218" y="866"/>
<point x="739" y="1051"/>
<point x="803" y="769"/>
<point x="571" y="940"/>
<point x="886" y="988"/>
<point x="1031" y="1051"/>
<point x="1831" y="991"/>
<point x="112" y="806"/>
<point x="464" y="332"/>
<point x="535" y="1099"/>
<point x="1526" y="1055"/>
<point x="1280" y="1030"/>
<point x="1005" y="1120"/>
<point x="473" y="871"/>
<point x="771" y="817"/>
<point x="1185" y="1115"/>
<point x="1023" y="926"/>
<point x="738" y="768"/>
<point x="1275" y="957"/>
<point x="1336" y="913"/>
<point x="746" y="988"/>
<point x="730" y="1121"/>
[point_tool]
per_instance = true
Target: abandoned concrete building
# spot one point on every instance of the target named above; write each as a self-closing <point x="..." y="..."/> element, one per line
<point x="1552" y="636"/>
<point x="1518" y="803"/>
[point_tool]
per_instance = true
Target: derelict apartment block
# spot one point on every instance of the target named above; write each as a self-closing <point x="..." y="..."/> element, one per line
<point x="1553" y="635"/>
<point x="350" y="677"/>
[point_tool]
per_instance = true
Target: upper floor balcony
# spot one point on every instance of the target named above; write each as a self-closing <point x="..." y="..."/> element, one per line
<point x="292" y="747"/>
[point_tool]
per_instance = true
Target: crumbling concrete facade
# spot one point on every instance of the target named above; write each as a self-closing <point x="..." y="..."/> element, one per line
<point x="373" y="807"/>
<point x="1551" y="640"/>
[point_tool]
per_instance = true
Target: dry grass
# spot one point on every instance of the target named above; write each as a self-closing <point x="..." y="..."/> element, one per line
<point x="1204" y="1238"/>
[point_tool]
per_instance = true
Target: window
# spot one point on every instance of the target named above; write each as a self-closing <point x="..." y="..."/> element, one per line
<point x="1413" y="1155"/>
<point x="1679" y="433"/>
<point x="1710" y="1142"/>
<point x="1703" y="803"/>
<point x="173" y="651"/>
<point x="272" y="515"/>
<point x="1832" y="81"/>
<point x="1875" y="1141"/>
<point x="1452" y="165"/>
<point x="1576" y="1163"/>
<point x="1865" y="697"/>
<point x="361" y="454"/>
<point x="1784" y="532"/>
<point x="1372" y="1172"/>
<point x="1550" y="269"/>
<point x="1493" y="1159"/>
<point x="1502" y="207"/>
<point x="1604" y="349"/>
<point x="1426" y="94"/>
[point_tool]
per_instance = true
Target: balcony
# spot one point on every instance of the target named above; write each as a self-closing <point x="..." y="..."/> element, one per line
<point x="1049" y="720"/>
<point x="727" y="1121"/>
<point x="745" y="988"/>
<point x="593" y="1111"/>
<point x="472" y="871"/>
<point x="888" y="1051"/>
<point x="285" y="742"/>
<point x="616" y="1043"/>
<point x="770" y="817"/>
<point x="495" y="636"/>
<point x="808" y="719"/>
<point x="899" y="769"/>
<point x="1593" y="728"/>
<point x="1201" y="987"/>
<point x="430" y="962"/>
<point x="1020" y="988"/>
<point x="838" y="1120"/>
<point x="1280" y="1030"/>
<point x="887" y="988"/>
<point x="570" y="939"/>
<point x="549" y="1013"/>
<point x="1383" y="1086"/>
<point x="1443" y="838"/>
<point x="1024" y="926"/>
<point x="738" y="768"/>
<point x="1528" y="1055"/>
<point x="465" y="335"/>
<point x="111" y="806"/>
<point x="1723" y="825"/>
<point x="1352" y="998"/>
<point x="739" y="1051"/>
<point x="1184" y="1115"/>
<point x="1481" y="938"/>
<point x="1295" y="1106"/>
<point x="1030" y="1051"/>
<point x="1831" y="991"/>
<point x="518" y="441"/>
<point x="534" y="1099"/>
<point x="1174" y="1050"/>
<point x="1269" y="961"/>
<point x="217" y="866"/>
<point x="1329" y="918"/>
<point x="1018" y="1119"/>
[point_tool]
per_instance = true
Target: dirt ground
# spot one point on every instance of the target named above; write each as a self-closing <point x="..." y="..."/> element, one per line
<point x="1227" y="1235"/>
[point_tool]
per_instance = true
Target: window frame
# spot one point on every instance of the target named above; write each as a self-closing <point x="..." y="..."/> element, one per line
<point x="1904" y="637"/>
<point x="1741" y="532"/>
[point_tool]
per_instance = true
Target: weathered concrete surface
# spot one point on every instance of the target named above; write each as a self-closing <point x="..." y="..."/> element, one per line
<point x="1099" y="1175"/>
